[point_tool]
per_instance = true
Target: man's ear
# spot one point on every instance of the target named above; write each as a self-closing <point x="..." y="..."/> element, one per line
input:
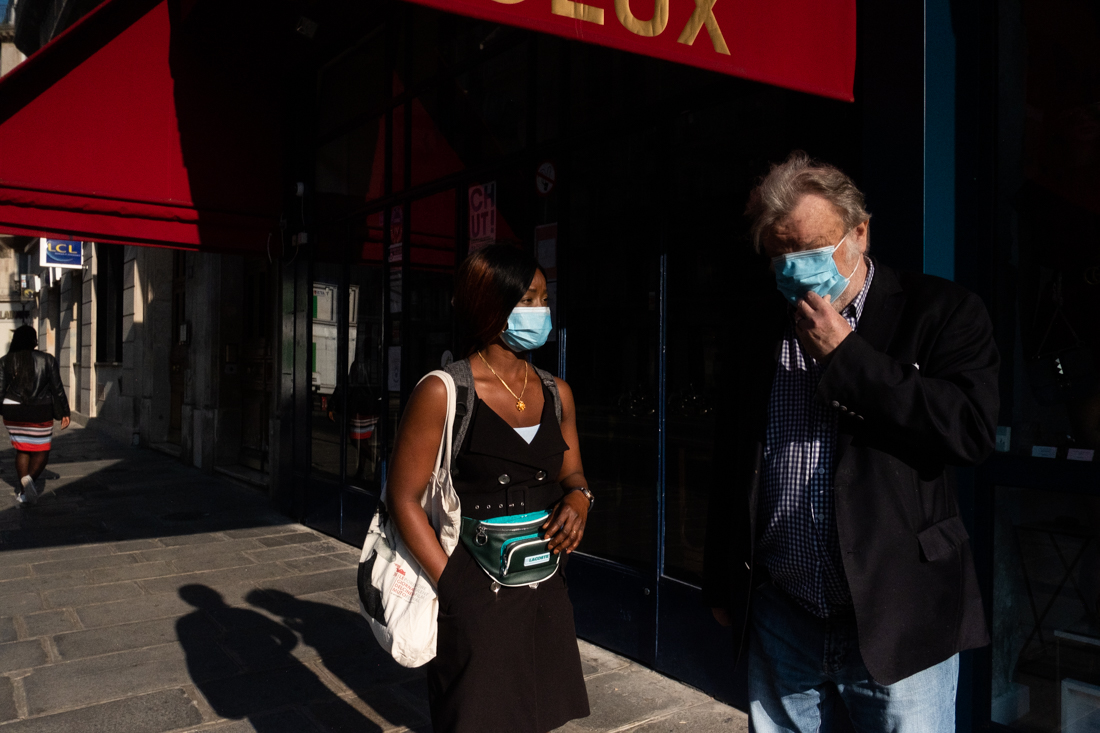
<point x="863" y="235"/>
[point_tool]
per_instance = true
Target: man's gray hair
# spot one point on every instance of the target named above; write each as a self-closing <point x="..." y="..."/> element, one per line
<point x="777" y="193"/>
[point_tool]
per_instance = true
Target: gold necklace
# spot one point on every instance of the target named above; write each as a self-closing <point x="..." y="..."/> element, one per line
<point x="520" y="404"/>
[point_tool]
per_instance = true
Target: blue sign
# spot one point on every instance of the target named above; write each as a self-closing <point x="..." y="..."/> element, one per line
<point x="62" y="253"/>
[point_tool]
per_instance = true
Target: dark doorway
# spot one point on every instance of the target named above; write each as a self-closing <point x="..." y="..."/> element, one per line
<point x="257" y="367"/>
<point x="177" y="360"/>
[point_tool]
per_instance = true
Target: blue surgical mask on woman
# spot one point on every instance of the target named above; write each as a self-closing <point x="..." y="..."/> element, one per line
<point x="527" y="328"/>
<point x="798" y="273"/>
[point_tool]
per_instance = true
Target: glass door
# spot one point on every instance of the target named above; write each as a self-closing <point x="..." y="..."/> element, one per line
<point x="346" y="386"/>
<point x="611" y="320"/>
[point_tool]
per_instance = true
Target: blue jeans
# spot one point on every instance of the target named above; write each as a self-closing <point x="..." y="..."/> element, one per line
<point x="801" y="665"/>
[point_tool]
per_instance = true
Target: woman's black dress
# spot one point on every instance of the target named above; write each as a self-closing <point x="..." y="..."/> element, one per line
<point x="506" y="662"/>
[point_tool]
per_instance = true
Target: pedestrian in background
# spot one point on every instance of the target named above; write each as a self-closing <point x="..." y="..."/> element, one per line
<point x="857" y="387"/>
<point x="507" y="659"/>
<point x="32" y="397"/>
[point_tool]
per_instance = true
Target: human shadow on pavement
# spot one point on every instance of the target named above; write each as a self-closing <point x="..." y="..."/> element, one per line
<point x="348" y="650"/>
<point x="272" y="685"/>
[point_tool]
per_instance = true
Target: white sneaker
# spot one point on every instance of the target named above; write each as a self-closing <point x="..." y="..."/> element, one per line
<point x="30" y="493"/>
<point x="21" y="499"/>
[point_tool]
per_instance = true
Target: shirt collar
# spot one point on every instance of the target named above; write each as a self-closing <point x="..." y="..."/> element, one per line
<point x="855" y="308"/>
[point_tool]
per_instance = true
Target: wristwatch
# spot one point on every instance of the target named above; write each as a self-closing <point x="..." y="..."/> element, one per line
<point x="587" y="494"/>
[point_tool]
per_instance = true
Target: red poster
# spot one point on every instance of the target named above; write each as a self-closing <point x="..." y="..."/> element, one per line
<point x="808" y="45"/>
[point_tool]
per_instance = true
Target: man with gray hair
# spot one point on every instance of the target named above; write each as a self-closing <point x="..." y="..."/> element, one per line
<point x="855" y="390"/>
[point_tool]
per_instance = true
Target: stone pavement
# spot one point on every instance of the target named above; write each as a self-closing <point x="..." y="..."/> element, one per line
<point x="142" y="596"/>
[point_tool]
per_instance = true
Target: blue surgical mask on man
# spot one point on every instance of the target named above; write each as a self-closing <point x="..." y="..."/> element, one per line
<point x="527" y="329"/>
<point x="798" y="273"/>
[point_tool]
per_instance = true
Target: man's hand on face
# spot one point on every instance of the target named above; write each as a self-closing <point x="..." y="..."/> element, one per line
<point x="819" y="327"/>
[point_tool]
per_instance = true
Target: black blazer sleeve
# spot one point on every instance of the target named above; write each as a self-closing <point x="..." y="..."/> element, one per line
<point x="944" y="407"/>
<point x="57" y="391"/>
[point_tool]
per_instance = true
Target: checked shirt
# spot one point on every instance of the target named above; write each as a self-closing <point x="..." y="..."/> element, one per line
<point x="800" y="546"/>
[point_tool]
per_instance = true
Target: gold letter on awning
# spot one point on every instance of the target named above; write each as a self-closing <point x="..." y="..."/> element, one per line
<point x="703" y="14"/>
<point x="652" y="27"/>
<point x="580" y="11"/>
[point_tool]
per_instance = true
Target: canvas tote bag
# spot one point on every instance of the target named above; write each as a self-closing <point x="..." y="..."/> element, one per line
<point x="395" y="595"/>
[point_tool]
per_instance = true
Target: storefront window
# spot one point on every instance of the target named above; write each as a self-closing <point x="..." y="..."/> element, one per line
<point x="398" y="148"/>
<point x="495" y="113"/>
<point x="1046" y="648"/>
<point x="332" y="177"/>
<point x="613" y="334"/>
<point x="427" y="323"/>
<point x="353" y="84"/>
<point x="362" y="404"/>
<point x="436" y="150"/>
<point x="1051" y="163"/>
<point x="367" y="161"/>
<point x="326" y="377"/>
<point x="1046" y="556"/>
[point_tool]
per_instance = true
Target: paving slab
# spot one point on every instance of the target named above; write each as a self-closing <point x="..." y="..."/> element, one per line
<point x="7" y="629"/>
<point x="8" y="710"/>
<point x="47" y="623"/>
<point x="291" y="552"/>
<point x="22" y="655"/>
<point x="73" y="553"/>
<point x="217" y="561"/>
<point x="713" y="717"/>
<point x="378" y="705"/>
<point x="39" y="583"/>
<point x="294" y="538"/>
<point x="136" y="571"/>
<point x="137" y="609"/>
<point x="255" y="572"/>
<point x="8" y="572"/>
<point x="200" y="538"/>
<point x="83" y="682"/>
<point x="85" y="595"/>
<point x="110" y="639"/>
<point x="283" y="526"/>
<point x="106" y="560"/>
<point x="171" y="554"/>
<point x="157" y="712"/>
<point x="627" y="695"/>
<point x="314" y="582"/>
<point x="315" y="564"/>
<point x="21" y="603"/>
<point x="136" y="545"/>
<point x="283" y="721"/>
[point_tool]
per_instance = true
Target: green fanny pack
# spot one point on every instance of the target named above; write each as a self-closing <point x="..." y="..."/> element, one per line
<point x="511" y="550"/>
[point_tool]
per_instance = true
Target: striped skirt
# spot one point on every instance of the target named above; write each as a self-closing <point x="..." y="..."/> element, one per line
<point x="362" y="426"/>
<point x="30" y="437"/>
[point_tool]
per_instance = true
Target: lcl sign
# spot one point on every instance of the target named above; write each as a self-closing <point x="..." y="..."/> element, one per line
<point x="808" y="45"/>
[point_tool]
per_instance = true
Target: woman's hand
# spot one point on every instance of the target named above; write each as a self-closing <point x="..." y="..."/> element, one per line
<point x="64" y="422"/>
<point x="565" y="528"/>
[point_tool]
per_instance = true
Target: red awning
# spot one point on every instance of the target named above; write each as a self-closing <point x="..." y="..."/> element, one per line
<point x="131" y="127"/>
<point x="808" y="45"/>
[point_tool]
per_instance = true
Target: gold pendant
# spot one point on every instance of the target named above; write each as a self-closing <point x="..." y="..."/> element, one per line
<point x="521" y="405"/>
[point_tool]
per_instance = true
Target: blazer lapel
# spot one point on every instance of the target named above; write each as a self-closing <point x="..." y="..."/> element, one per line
<point x="877" y="324"/>
<point x="882" y="309"/>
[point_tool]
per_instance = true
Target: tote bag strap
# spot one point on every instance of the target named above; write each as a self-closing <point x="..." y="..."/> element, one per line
<point x="443" y="455"/>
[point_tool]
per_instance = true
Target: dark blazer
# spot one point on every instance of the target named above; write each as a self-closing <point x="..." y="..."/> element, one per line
<point x="915" y="389"/>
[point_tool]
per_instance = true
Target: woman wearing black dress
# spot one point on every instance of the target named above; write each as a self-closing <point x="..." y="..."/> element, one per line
<point x="507" y="658"/>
